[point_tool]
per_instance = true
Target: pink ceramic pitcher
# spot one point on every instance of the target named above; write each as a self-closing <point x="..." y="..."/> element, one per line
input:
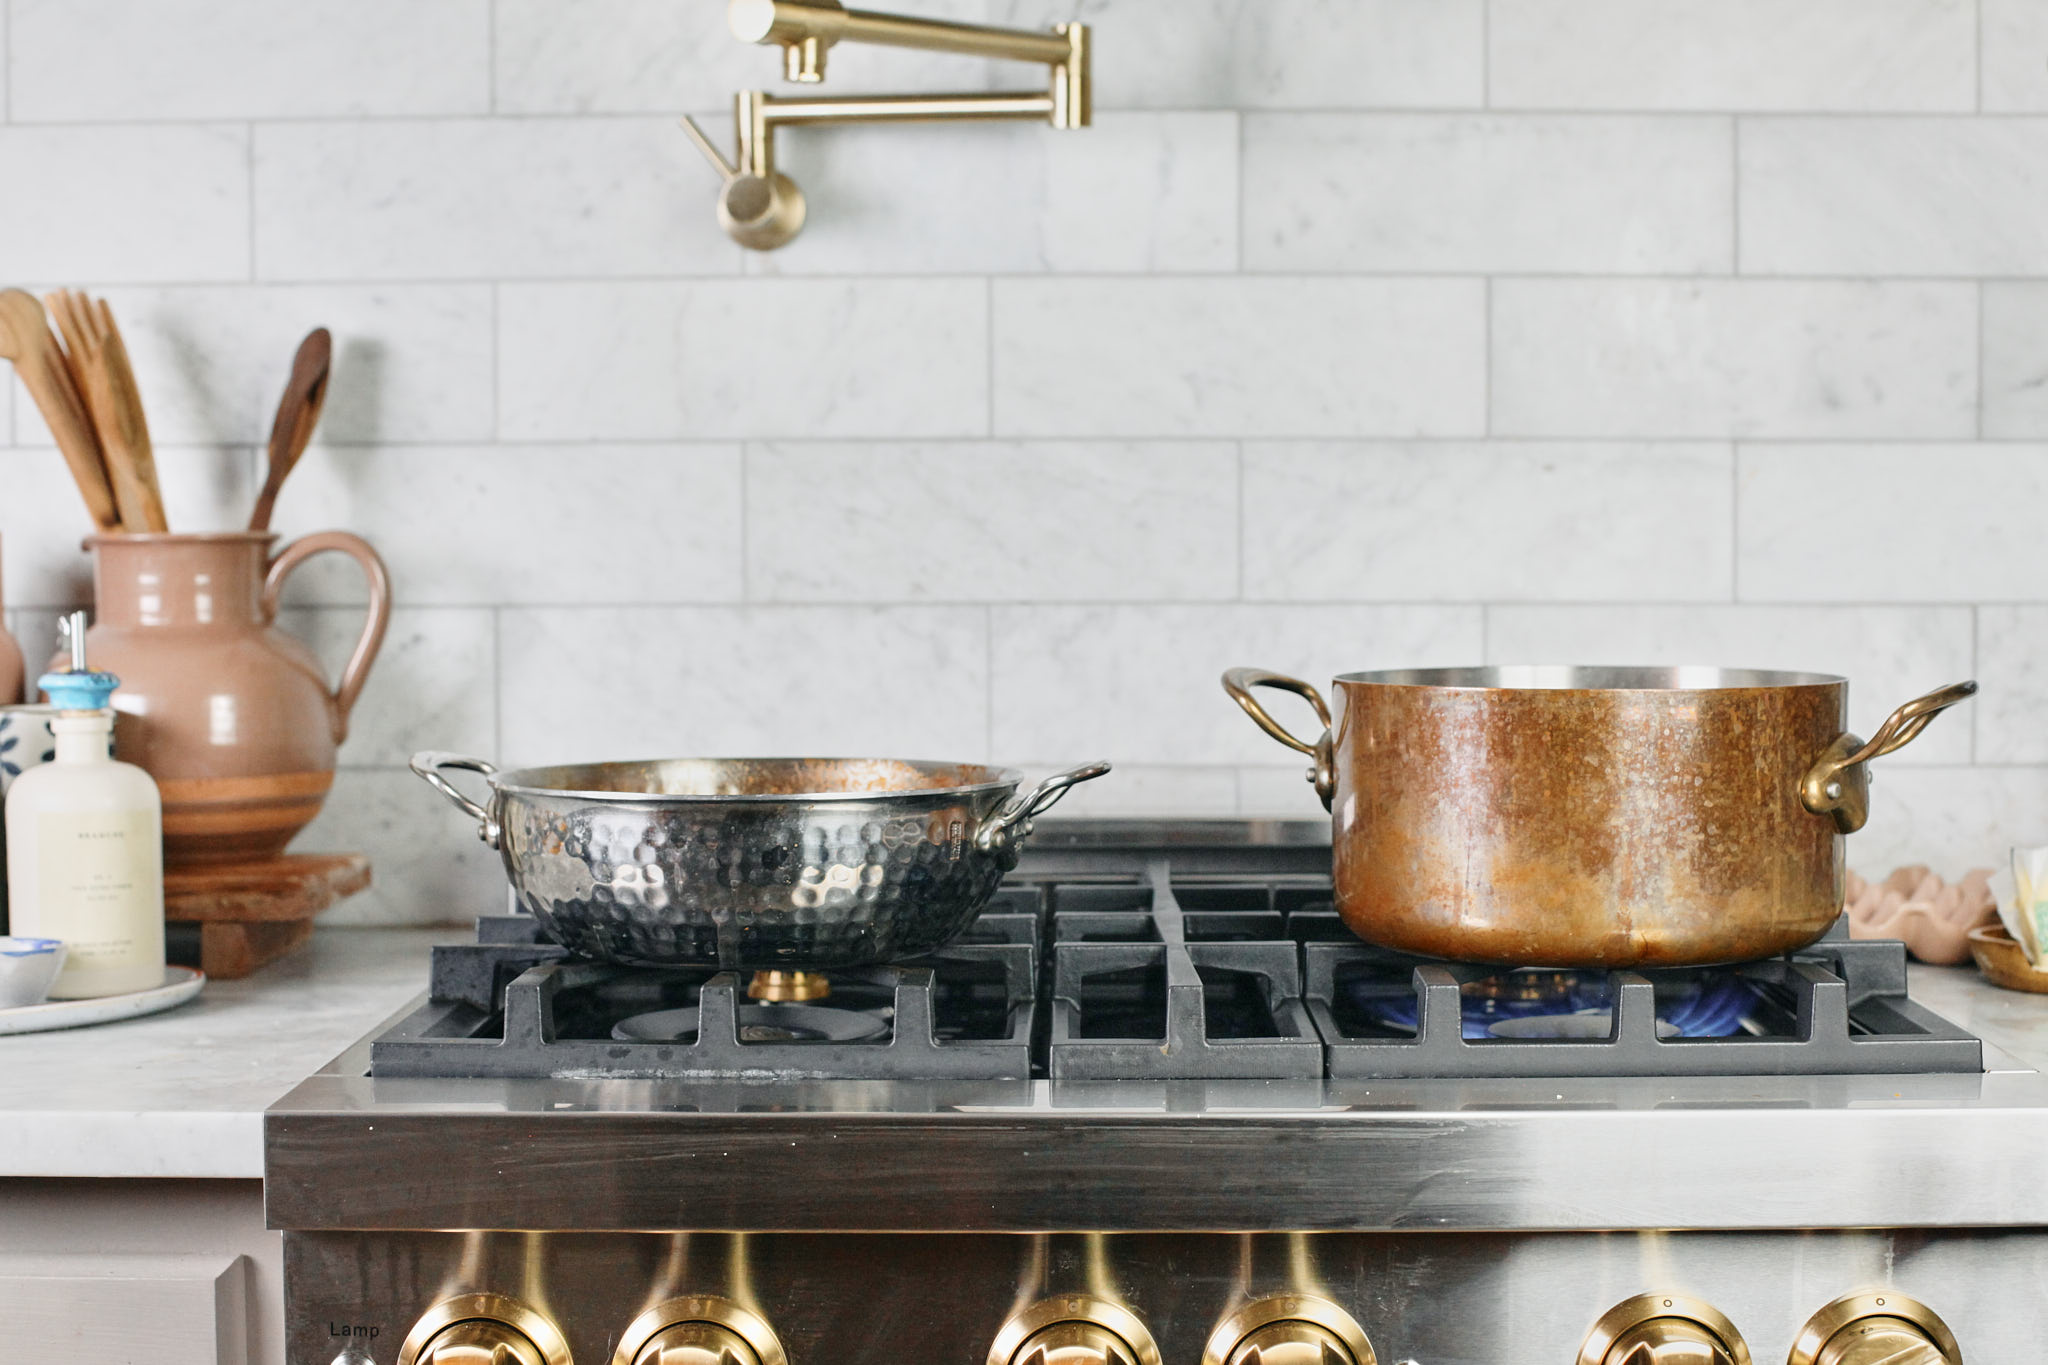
<point x="233" y="718"/>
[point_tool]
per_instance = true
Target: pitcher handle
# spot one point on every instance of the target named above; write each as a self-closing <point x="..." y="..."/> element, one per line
<point x="1838" y="784"/>
<point x="357" y="670"/>
<point x="1239" y="682"/>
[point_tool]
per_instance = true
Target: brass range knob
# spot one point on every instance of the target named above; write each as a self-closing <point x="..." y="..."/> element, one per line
<point x="699" y="1329"/>
<point x="1289" y="1329"/>
<point x="1075" y="1343"/>
<point x="1074" y="1329"/>
<point x="1876" y="1328"/>
<point x="483" y="1329"/>
<point x="1664" y="1329"/>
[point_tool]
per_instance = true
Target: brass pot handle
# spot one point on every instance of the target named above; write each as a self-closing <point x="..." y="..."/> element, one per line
<point x="1838" y="784"/>
<point x="1239" y="682"/>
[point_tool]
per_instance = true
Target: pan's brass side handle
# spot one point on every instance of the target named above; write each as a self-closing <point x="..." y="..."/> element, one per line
<point x="1239" y="682"/>
<point x="429" y="763"/>
<point x="1838" y="784"/>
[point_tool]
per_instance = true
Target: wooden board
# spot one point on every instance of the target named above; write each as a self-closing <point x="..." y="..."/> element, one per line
<point x="252" y="913"/>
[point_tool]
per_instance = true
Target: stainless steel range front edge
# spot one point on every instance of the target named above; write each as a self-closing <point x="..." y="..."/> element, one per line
<point x="1314" y="1214"/>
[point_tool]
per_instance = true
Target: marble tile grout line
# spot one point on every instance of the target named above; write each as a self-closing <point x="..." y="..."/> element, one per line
<point x="1978" y="83"/>
<point x="249" y="133"/>
<point x="1980" y="360"/>
<point x="1486" y="54"/>
<point x="1735" y="196"/>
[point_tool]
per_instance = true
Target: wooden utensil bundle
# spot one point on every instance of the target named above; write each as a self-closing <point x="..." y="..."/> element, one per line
<point x="88" y="398"/>
<point x="86" y="391"/>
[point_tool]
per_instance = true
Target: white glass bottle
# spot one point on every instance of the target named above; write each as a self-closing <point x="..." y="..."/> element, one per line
<point x="85" y="846"/>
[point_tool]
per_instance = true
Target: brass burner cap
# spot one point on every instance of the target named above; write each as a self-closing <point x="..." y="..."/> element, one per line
<point x="788" y="987"/>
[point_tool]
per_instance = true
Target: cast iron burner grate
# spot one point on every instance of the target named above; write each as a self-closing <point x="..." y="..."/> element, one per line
<point x="1168" y="963"/>
<point x="1143" y="990"/>
<point x="1838" y="1007"/>
<point x="510" y="1006"/>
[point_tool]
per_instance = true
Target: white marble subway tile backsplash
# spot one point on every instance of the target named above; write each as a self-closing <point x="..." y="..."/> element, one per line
<point x="1240" y="356"/>
<point x="2012" y="647"/>
<point x="1745" y="358"/>
<point x="167" y="203"/>
<point x="1137" y="192"/>
<point x="2015" y="340"/>
<point x="1354" y="333"/>
<point x="484" y="199"/>
<point x="411" y="362"/>
<point x="1276" y="54"/>
<point x="1926" y="523"/>
<point x="1138" y="683"/>
<point x="1861" y="55"/>
<point x="669" y="56"/>
<point x="525" y="524"/>
<point x="1476" y="192"/>
<point x="583" y="683"/>
<point x="1912" y="196"/>
<point x="992" y="521"/>
<point x="2015" y="34"/>
<point x="1468" y="522"/>
<point x="238" y="59"/>
<point x="760" y="358"/>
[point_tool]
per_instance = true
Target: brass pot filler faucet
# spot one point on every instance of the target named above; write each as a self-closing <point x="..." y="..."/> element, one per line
<point x="761" y="208"/>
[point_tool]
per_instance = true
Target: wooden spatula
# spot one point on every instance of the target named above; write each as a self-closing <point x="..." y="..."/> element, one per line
<point x="100" y="361"/>
<point x="298" y="412"/>
<point x="25" y="339"/>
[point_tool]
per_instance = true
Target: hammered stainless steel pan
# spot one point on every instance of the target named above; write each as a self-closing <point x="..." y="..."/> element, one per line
<point x="807" y="863"/>
<point x="1590" y="817"/>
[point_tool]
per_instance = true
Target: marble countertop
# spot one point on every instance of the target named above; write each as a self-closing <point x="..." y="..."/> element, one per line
<point x="182" y="1094"/>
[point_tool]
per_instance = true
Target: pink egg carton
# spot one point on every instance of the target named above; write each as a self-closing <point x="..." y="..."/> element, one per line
<point x="1933" y="918"/>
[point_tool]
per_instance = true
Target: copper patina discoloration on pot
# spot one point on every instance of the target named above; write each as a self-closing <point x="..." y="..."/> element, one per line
<point x="1585" y="817"/>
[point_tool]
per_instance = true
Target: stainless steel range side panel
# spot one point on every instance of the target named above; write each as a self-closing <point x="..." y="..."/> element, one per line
<point x="1434" y="1298"/>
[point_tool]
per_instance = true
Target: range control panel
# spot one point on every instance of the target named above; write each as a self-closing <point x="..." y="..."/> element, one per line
<point x="1626" y="1298"/>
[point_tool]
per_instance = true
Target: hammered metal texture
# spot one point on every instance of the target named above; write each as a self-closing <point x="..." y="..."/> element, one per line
<point x="685" y="877"/>
<point x="1584" y="826"/>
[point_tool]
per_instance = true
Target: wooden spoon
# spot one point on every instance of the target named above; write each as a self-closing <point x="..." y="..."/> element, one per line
<point x="100" y="361"/>
<point x="298" y="411"/>
<point x="25" y="339"/>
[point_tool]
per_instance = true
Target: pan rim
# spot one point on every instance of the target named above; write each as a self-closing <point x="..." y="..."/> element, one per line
<point x="520" y="781"/>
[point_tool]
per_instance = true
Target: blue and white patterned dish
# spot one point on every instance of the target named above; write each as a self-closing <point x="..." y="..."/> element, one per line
<point x="27" y="967"/>
<point x="26" y="740"/>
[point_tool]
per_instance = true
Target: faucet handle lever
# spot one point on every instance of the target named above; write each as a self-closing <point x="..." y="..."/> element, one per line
<point x="726" y="170"/>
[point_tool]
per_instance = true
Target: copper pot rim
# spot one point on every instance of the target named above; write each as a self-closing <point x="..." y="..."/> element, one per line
<point x="1646" y="679"/>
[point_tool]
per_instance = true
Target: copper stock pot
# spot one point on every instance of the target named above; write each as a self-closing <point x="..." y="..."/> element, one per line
<point x="1590" y="817"/>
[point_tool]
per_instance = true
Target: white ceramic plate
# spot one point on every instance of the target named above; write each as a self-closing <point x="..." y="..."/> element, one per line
<point x="180" y="985"/>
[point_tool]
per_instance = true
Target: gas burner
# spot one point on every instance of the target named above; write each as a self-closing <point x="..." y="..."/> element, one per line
<point x="760" y="1024"/>
<point x="1540" y="1003"/>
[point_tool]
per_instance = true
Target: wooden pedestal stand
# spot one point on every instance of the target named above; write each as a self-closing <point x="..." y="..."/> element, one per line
<point x="252" y="913"/>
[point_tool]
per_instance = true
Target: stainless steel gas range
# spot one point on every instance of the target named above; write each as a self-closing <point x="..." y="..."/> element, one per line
<point x="1159" y="1106"/>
